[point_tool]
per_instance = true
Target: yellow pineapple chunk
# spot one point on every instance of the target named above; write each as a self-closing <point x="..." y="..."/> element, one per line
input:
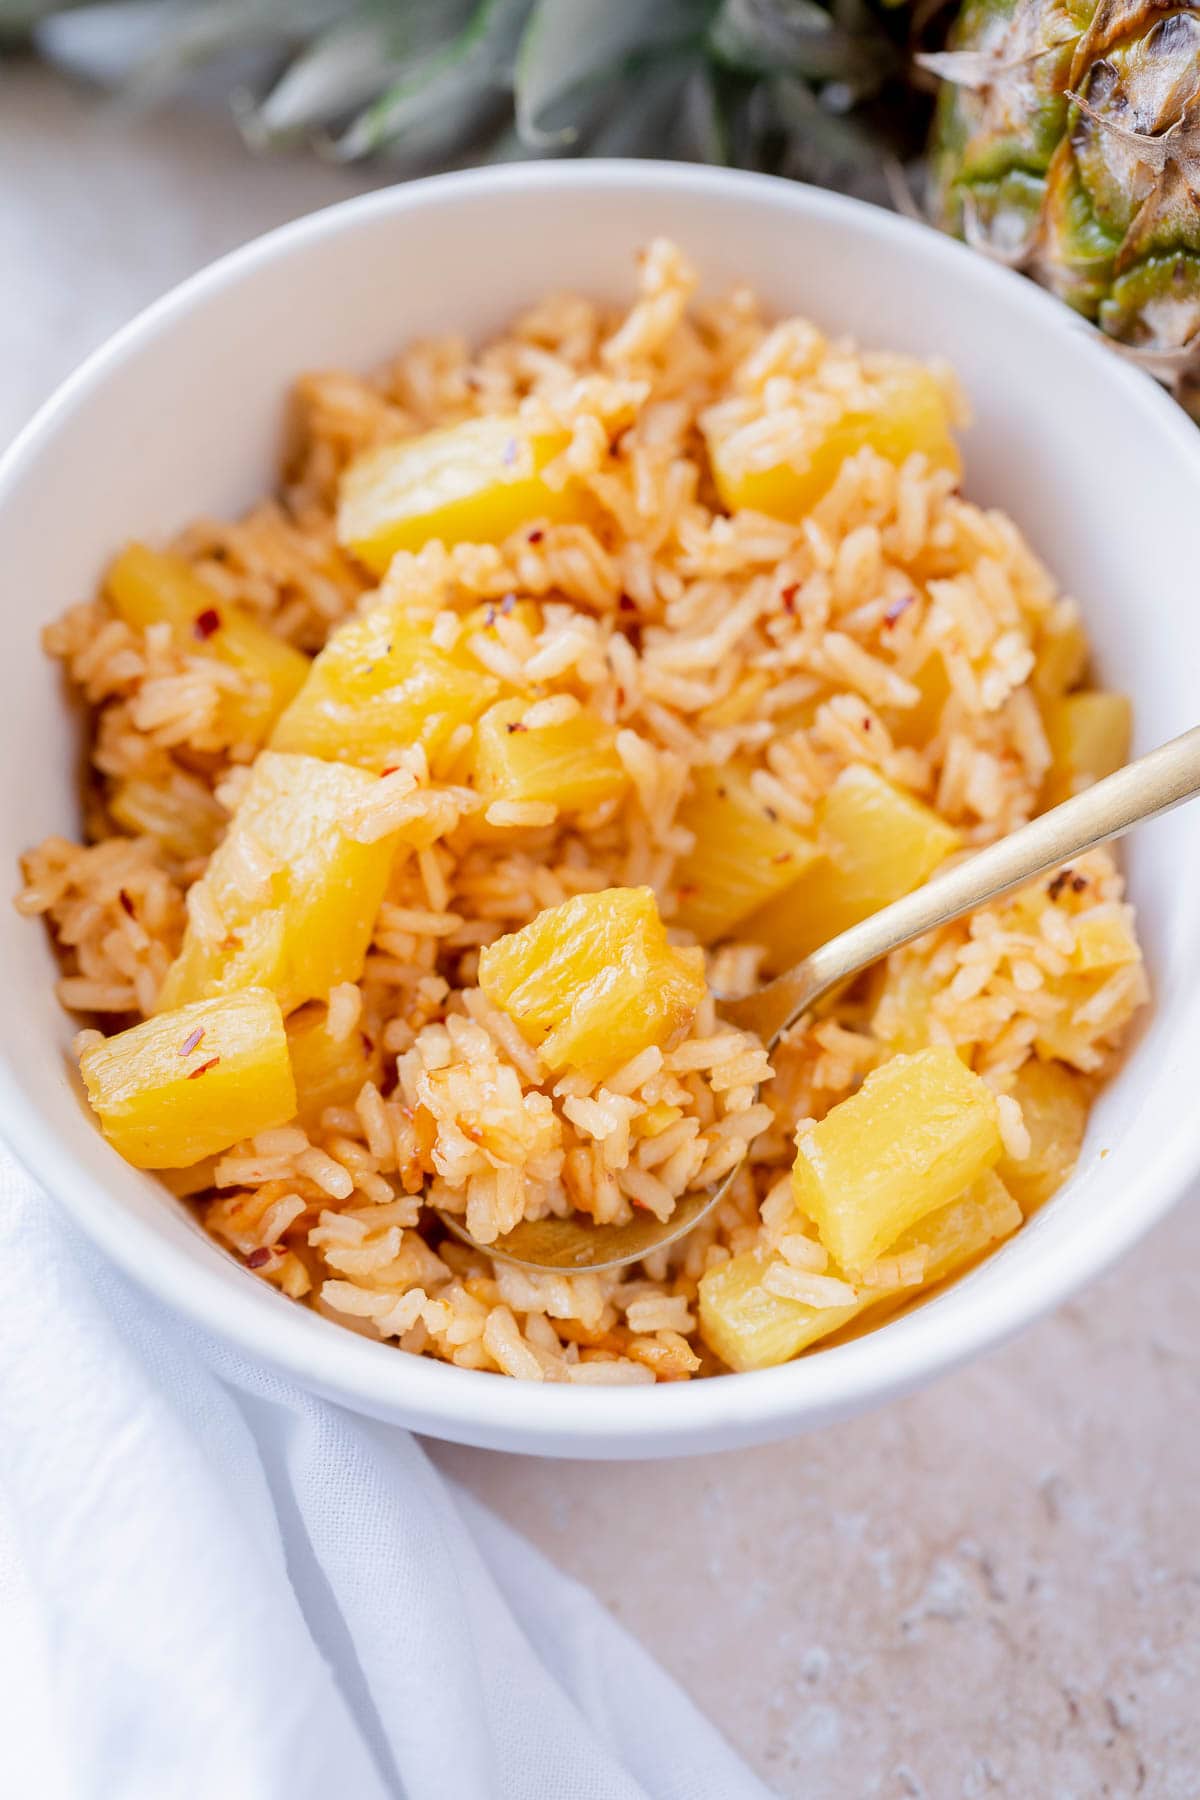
<point x="380" y="685"/>
<point x="1054" y="1103"/>
<point x="1089" y="735"/>
<point x="913" y="726"/>
<point x="147" y="587"/>
<point x="471" y="483"/>
<point x="180" y="813"/>
<point x="329" y="1071"/>
<point x="953" y="1238"/>
<point x="1104" y="938"/>
<point x="1060" y="653"/>
<point x="878" y="843"/>
<point x="744" y="853"/>
<point x="921" y="1129"/>
<point x="592" y="982"/>
<point x="572" y="765"/>
<point x="748" y="1327"/>
<point x="190" y="1082"/>
<point x="289" y="899"/>
<point x="907" y="412"/>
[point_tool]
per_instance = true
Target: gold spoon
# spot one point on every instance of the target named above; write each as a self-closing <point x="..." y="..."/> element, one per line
<point x="1141" y="790"/>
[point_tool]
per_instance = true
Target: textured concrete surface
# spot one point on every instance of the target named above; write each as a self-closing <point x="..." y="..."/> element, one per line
<point x="990" y="1589"/>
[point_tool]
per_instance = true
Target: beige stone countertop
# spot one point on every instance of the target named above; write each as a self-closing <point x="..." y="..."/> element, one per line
<point x="992" y="1588"/>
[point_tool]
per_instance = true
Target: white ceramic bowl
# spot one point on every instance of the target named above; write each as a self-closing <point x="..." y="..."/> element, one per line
<point x="180" y="415"/>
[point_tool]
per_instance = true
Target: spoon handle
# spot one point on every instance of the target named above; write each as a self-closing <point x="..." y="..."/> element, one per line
<point x="1155" y="783"/>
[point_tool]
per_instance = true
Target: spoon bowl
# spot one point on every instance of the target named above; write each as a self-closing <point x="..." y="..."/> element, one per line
<point x="1142" y="790"/>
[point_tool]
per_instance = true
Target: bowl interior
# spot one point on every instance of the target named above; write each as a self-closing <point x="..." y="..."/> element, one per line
<point x="183" y="415"/>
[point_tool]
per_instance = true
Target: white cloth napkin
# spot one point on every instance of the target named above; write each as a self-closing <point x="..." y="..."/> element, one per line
<point x="215" y="1587"/>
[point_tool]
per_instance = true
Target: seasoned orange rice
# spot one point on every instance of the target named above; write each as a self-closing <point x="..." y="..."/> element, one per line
<point x="700" y="636"/>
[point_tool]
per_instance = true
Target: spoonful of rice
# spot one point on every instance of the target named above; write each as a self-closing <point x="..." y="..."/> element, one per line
<point x="670" y="984"/>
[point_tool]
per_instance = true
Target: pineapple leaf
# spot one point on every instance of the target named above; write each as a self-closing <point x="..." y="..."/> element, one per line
<point x="800" y="37"/>
<point x="152" y="46"/>
<point x="439" y="96"/>
<point x="571" y="45"/>
<point x="341" y="70"/>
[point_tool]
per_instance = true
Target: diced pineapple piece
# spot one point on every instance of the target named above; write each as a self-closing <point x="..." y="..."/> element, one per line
<point x="573" y="765"/>
<point x="744" y="853"/>
<point x="180" y="813"/>
<point x="1054" y="1103"/>
<point x="470" y="483"/>
<point x="594" y="981"/>
<point x="907" y="412"/>
<point x="190" y="1082"/>
<point x="147" y="587"/>
<point x="1060" y="654"/>
<point x="1089" y="736"/>
<point x="329" y="1071"/>
<point x="750" y="1328"/>
<point x="196" y="1178"/>
<point x="1104" y="938"/>
<point x="289" y="900"/>
<point x="878" y="843"/>
<point x="921" y="1129"/>
<point x="380" y="685"/>
<point x="913" y="726"/>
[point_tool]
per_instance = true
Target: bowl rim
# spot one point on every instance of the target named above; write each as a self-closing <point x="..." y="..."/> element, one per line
<point x="468" y="1404"/>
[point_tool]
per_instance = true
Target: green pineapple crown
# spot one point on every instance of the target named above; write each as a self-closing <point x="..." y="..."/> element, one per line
<point x="806" y="89"/>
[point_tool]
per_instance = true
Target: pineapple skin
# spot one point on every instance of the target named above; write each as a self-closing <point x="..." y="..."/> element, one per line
<point x="1041" y="180"/>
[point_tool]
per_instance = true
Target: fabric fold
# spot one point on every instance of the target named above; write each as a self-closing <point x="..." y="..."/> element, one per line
<point x="214" y="1583"/>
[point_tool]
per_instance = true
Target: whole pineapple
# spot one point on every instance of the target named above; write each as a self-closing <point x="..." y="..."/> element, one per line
<point x="1065" y="142"/>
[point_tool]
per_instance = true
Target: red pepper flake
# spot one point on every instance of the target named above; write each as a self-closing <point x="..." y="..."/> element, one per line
<point x="626" y="603"/>
<point x="126" y="902"/>
<point x="788" y="597"/>
<point x="536" y="535"/>
<point x="784" y="857"/>
<point x="771" y="814"/>
<point x="390" y="769"/>
<point x="1078" y="883"/>
<point x="203" y="1068"/>
<point x="206" y="622"/>
<point x="867" y="722"/>
<point x="1056" y="884"/>
<point x="515" y="725"/>
<point x="686" y="891"/>
<point x="191" y="1040"/>
<point x="257" y="1258"/>
<point x="898" y="608"/>
<point x="231" y="941"/>
<point x="507" y="604"/>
